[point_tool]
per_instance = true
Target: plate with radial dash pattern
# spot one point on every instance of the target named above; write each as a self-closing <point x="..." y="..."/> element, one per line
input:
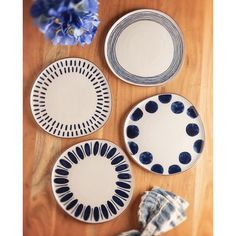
<point x="71" y="98"/>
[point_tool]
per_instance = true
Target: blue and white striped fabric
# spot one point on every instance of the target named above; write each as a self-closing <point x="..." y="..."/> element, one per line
<point x="159" y="212"/>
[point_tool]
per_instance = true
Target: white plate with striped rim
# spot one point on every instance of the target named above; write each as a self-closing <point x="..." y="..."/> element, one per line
<point x="145" y="47"/>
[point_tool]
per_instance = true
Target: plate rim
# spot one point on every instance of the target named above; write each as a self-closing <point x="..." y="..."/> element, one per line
<point x="123" y="17"/>
<point x="136" y="161"/>
<point x="52" y="188"/>
<point x="31" y="99"/>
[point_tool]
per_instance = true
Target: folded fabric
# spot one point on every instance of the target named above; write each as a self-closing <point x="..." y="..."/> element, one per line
<point x="159" y="212"/>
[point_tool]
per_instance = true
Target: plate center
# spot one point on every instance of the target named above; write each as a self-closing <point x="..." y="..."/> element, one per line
<point x="71" y="98"/>
<point x="93" y="180"/>
<point x="163" y="135"/>
<point x="145" y="48"/>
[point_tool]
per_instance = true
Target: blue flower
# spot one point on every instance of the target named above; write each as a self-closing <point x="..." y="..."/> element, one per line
<point x="66" y="22"/>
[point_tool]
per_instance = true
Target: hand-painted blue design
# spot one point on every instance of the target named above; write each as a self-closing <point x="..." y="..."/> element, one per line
<point x="79" y="210"/>
<point x="87" y="213"/>
<point x="117" y="160"/>
<point x="198" y="146"/>
<point x="80" y="152"/>
<point x="111" y="153"/>
<point x="174" y="169"/>
<point x="95" y="148"/>
<point x="118" y="201"/>
<point x="157" y="168"/>
<point x="177" y="107"/>
<point x="111" y="207"/>
<point x="137" y="115"/>
<point x="71" y="204"/>
<point x="66" y="197"/>
<point x="87" y="149"/>
<point x="133" y="147"/>
<point x="61" y="172"/>
<point x="72" y="157"/>
<point x="62" y="190"/>
<point x="184" y="157"/>
<point x="192" y="129"/>
<point x="121" y="167"/>
<point x="132" y="131"/>
<point x="165" y="98"/>
<point x="145" y="158"/>
<point x="124" y="176"/>
<point x="192" y="112"/>
<point x="104" y="211"/>
<point x="96" y="214"/>
<point x="123" y="185"/>
<point x="65" y="163"/>
<point x="60" y="181"/>
<point x="104" y="149"/>
<point x="151" y="107"/>
<point x="121" y="193"/>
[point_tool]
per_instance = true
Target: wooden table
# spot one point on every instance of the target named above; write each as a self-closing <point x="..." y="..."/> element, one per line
<point x="42" y="215"/>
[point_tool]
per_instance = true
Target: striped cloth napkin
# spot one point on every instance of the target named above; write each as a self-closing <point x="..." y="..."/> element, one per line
<point x="159" y="212"/>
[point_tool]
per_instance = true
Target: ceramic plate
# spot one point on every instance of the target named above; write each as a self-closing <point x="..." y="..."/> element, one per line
<point x="71" y="98"/>
<point x="92" y="181"/>
<point x="144" y="47"/>
<point x="164" y="134"/>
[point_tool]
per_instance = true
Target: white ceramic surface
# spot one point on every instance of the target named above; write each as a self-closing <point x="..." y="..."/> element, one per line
<point x="92" y="181"/>
<point x="71" y="98"/>
<point x="144" y="47"/>
<point x="164" y="134"/>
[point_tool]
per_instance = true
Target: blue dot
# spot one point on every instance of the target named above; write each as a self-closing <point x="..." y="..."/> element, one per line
<point x="146" y="157"/>
<point x="132" y="131"/>
<point x="177" y="107"/>
<point x="184" y="157"/>
<point x="151" y="107"/>
<point x="157" y="168"/>
<point x="192" y="112"/>
<point x="192" y="129"/>
<point x="198" y="146"/>
<point x="137" y="115"/>
<point x="165" y="98"/>
<point x="174" y="169"/>
<point x="133" y="147"/>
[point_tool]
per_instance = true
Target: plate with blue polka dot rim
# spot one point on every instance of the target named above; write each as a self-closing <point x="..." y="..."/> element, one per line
<point x="164" y="134"/>
<point x="92" y="181"/>
<point x="71" y="98"/>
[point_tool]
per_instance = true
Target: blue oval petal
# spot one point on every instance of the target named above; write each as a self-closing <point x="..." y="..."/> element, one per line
<point x="118" y="201"/>
<point x="87" y="149"/>
<point x="104" y="211"/>
<point x="111" y="207"/>
<point x="65" y="163"/>
<point x="117" y="160"/>
<point x="111" y="153"/>
<point x="87" y="212"/>
<point x="72" y="157"/>
<point x="79" y="210"/>
<point x="95" y="148"/>
<point x="80" y="153"/>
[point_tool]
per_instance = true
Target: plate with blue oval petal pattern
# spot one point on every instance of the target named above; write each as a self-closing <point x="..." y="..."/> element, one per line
<point x="92" y="181"/>
<point x="71" y="98"/>
<point x="164" y="134"/>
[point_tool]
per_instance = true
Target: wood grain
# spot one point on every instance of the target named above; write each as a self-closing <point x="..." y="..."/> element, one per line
<point x="42" y="216"/>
